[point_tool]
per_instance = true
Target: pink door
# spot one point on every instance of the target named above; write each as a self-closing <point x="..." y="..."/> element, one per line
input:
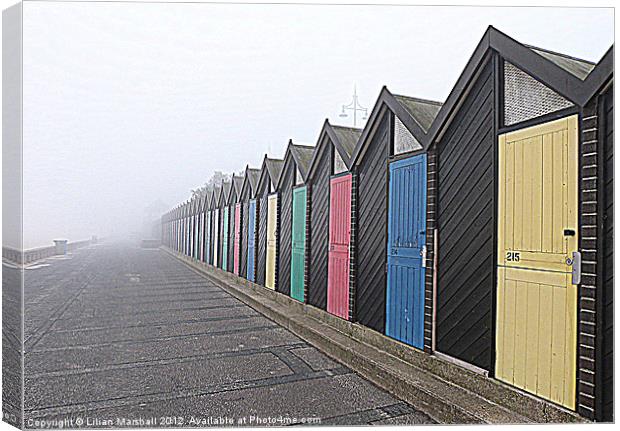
<point x="237" y="238"/>
<point x="339" y="239"/>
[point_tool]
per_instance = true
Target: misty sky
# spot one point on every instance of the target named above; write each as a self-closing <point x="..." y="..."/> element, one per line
<point x="129" y="103"/>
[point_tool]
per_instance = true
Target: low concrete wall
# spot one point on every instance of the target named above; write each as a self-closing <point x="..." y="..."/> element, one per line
<point x="32" y="255"/>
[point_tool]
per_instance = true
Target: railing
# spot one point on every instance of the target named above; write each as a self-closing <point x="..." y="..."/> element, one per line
<point x="28" y="256"/>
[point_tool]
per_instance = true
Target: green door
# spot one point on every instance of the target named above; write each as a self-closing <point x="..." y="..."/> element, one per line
<point x="298" y="247"/>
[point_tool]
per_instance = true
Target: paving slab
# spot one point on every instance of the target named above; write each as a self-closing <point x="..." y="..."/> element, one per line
<point x="116" y="335"/>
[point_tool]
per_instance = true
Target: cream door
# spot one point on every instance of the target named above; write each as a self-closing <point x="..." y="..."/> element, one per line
<point x="538" y="226"/>
<point x="270" y="274"/>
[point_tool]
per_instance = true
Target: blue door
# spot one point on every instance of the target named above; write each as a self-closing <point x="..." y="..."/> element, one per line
<point x="251" y="239"/>
<point x="405" y="250"/>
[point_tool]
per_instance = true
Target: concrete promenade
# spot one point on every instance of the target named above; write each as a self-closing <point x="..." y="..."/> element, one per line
<point x="116" y="336"/>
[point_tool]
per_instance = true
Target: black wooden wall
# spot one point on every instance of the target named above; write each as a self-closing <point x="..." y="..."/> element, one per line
<point x="465" y="214"/>
<point x="261" y="241"/>
<point x="319" y="225"/>
<point x="286" y="202"/>
<point x="372" y="231"/>
<point x="608" y="258"/>
<point x="245" y="219"/>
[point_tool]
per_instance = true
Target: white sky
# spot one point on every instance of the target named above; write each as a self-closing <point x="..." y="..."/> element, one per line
<point x="127" y="103"/>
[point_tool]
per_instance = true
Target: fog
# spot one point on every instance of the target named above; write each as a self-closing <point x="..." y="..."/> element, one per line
<point x="131" y="105"/>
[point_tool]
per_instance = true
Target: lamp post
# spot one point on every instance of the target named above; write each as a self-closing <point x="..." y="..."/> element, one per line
<point x="355" y="107"/>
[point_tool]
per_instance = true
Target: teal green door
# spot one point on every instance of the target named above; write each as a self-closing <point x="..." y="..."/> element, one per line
<point x="298" y="246"/>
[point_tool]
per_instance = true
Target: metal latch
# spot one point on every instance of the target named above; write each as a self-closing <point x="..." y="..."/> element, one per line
<point x="423" y="254"/>
<point x="576" y="262"/>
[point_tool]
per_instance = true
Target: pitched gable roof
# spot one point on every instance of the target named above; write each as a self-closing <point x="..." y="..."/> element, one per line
<point x="250" y="180"/>
<point x="217" y="191"/>
<point x="416" y="114"/>
<point x="302" y="156"/>
<point x="577" y="66"/>
<point x="556" y="71"/>
<point x="225" y="191"/>
<point x="238" y="184"/>
<point x="346" y="140"/>
<point x="342" y="139"/>
<point x="422" y="111"/>
<point x="274" y="167"/>
<point x="271" y="169"/>
<point x="234" y="188"/>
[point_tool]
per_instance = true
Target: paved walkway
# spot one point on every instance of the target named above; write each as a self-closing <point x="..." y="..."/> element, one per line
<point x="116" y="335"/>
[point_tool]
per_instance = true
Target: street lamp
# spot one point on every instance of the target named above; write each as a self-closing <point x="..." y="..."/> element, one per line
<point x="354" y="106"/>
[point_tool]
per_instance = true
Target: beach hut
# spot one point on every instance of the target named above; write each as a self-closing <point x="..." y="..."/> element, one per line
<point x="204" y="217"/>
<point x="174" y="228"/>
<point x="234" y="234"/>
<point x="389" y="168"/>
<point x="292" y="233"/>
<point x="179" y="217"/>
<point x="513" y="164"/>
<point x="198" y="230"/>
<point x="216" y="229"/>
<point x="224" y="225"/>
<point x="248" y="224"/>
<point x="195" y="208"/>
<point x="179" y="229"/>
<point x="186" y="228"/>
<point x="266" y="247"/>
<point x="209" y="246"/>
<point x="329" y="236"/>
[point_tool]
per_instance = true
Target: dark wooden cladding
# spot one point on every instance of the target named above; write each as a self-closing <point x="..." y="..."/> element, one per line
<point x="372" y="232"/>
<point x="285" y="221"/>
<point x="245" y="219"/>
<point x="261" y="245"/>
<point x="319" y="225"/>
<point x="465" y="212"/>
<point x="607" y="407"/>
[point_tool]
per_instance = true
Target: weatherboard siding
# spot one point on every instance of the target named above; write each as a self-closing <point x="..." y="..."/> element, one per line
<point x="465" y="213"/>
<point x="607" y="365"/>
<point x="318" y="235"/>
<point x="284" y="237"/>
<point x="372" y="231"/>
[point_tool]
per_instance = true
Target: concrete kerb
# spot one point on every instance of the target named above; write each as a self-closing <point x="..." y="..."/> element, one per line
<point x="313" y="325"/>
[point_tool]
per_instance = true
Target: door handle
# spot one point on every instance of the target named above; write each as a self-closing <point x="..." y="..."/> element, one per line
<point x="569" y="232"/>
<point x="576" y="261"/>
<point x="423" y="254"/>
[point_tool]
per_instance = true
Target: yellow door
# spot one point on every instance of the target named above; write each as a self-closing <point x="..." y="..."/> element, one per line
<point x="537" y="235"/>
<point x="270" y="274"/>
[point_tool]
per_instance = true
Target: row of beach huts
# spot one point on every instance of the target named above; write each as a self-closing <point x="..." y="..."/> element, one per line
<point x="479" y="229"/>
